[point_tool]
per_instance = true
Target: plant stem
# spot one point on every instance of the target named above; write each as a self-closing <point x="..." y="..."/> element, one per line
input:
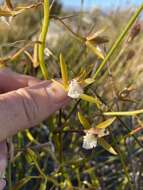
<point x="119" y="40"/>
<point x="43" y="39"/>
<point x="9" y="176"/>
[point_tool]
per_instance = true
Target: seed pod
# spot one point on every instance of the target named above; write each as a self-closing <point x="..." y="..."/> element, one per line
<point x="130" y="55"/>
<point x="134" y="32"/>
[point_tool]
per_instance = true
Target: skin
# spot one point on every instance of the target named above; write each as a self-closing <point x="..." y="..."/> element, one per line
<point x="24" y="102"/>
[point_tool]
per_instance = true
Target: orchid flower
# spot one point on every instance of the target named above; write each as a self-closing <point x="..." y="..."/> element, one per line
<point x="75" y="87"/>
<point x="94" y="135"/>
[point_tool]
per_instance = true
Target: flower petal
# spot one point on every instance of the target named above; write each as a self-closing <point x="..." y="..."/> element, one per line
<point x="75" y="90"/>
<point x="89" y="141"/>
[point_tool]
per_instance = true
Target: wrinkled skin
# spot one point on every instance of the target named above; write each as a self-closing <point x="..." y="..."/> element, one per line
<point x="24" y="98"/>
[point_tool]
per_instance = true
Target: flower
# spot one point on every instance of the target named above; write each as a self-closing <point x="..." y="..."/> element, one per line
<point x="91" y="137"/>
<point x="74" y="90"/>
<point x="89" y="141"/>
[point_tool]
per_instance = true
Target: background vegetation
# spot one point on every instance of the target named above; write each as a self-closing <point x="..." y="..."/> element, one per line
<point x="50" y="156"/>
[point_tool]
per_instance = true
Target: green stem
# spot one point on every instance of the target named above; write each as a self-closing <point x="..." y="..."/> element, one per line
<point x="119" y="40"/>
<point x="9" y="176"/>
<point x="43" y="39"/>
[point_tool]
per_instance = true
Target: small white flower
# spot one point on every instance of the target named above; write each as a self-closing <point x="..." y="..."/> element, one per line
<point x="75" y="90"/>
<point x="89" y="141"/>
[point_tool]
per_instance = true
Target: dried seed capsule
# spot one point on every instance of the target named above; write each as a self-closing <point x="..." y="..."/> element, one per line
<point x="134" y="32"/>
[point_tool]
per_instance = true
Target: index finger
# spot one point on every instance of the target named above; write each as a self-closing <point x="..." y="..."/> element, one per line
<point x="10" y="80"/>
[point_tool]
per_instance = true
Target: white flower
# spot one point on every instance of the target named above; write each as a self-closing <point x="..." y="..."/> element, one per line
<point x="90" y="139"/>
<point x="75" y="90"/>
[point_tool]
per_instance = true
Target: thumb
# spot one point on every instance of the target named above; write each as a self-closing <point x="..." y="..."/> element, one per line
<point x="26" y="107"/>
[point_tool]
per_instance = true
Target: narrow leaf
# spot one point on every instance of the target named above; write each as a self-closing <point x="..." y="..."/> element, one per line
<point x="83" y="121"/>
<point x="106" y="123"/>
<point x="125" y="113"/>
<point x="35" y="56"/>
<point x="30" y="156"/>
<point x="96" y="34"/>
<point x="89" y="81"/>
<point x="95" y="50"/>
<point x="106" y="146"/>
<point x="30" y="136"/>
<point x="64" y="72"/>
<point x="93" y="100"/>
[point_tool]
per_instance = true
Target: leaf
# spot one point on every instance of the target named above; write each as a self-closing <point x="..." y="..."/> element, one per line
<point x="124" y="113"/>
<point x="64" y="72"/>
<point x="95" y="50"/>
<point x="106" y="146"/>
<point x="96" y="34"/>
<point x="83" y="121"/>
<point x="30" y="156"/>
<point x="35" y="56"/>
<point x="106" y="123"/>
<point x="89" y="81"/>
<point x="30" y="136"/>
<point x="82" y="74"/>
<point x="93" y="100"/>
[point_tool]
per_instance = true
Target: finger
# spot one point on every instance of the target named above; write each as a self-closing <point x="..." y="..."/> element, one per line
<point x="28" y="106"/>
<point x="2" y="184"/>
<point x="3" y="156"/>
<point x="3" y="163"/>
<point x="10" y="80"/>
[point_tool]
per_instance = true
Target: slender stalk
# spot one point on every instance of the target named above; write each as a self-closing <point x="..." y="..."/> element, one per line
<point x="124" y="113"/>
<point x="119" y="40"/>
<point x="43" y="39"/>
<point x="9" y="175"/>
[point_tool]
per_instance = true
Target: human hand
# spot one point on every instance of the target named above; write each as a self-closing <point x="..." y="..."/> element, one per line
<point x="24" y="103"/>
